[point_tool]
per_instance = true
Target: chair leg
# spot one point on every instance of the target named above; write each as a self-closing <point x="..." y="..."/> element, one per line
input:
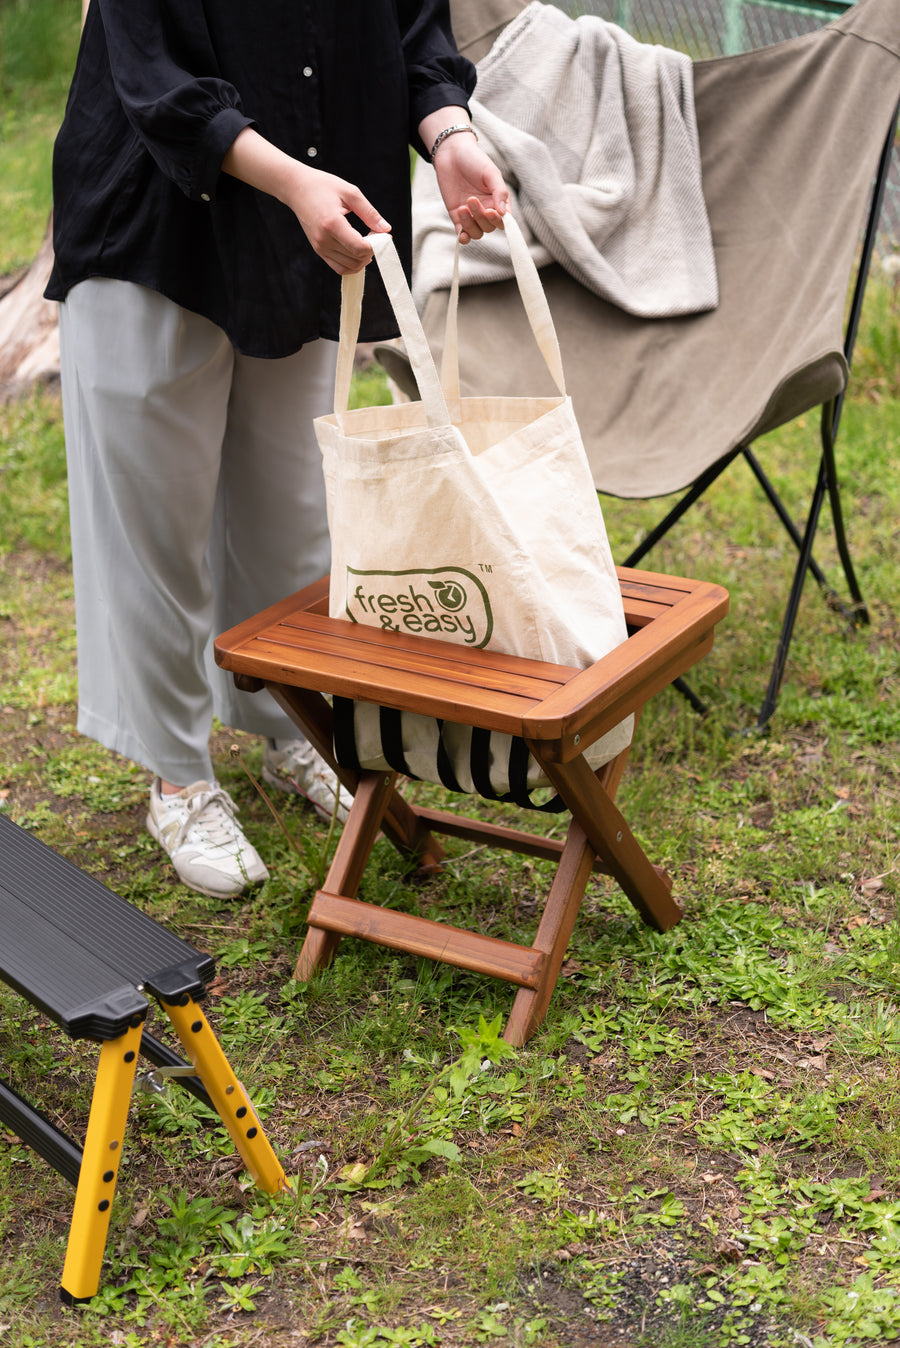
<point x="553" y="934"/>
<point x="647" y="886"/>
<point x="100" y="1165"/>
<point x="858" y="611"/>
<point x="226" y="1093"/>
<point x="793" y="605"/>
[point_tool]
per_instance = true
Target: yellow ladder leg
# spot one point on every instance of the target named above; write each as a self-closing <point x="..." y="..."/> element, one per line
<point x="100" y="1165"/>
<point x="226" y="1092"/>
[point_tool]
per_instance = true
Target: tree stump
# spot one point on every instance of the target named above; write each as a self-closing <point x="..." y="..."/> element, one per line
<point x="29" y="331"/>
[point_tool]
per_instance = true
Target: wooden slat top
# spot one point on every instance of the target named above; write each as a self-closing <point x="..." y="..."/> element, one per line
<point x="296" y="643"/>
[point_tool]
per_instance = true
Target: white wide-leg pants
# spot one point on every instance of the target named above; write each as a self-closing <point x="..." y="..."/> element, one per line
<point x="196" y="499"/>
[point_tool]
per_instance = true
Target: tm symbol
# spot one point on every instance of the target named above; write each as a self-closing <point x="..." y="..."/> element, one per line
<point x="485" y="566"/>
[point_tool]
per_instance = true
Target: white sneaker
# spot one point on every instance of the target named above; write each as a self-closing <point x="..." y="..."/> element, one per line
<point x="205" y="843"/>
<point x="294" y="765"/>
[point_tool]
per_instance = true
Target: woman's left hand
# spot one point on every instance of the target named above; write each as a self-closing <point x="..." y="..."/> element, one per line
<point x="473" y="190"/>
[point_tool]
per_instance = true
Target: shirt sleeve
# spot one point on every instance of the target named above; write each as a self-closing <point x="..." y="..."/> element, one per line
<point x="164" y="70"/>
<point x="437" y="75"/>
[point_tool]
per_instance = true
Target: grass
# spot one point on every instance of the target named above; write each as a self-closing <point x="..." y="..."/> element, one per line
<point x="700" y="1147"/>
<point x="38" y="41"/>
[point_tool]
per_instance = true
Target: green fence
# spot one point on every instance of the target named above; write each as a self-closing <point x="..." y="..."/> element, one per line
<point x="711" y="27"/>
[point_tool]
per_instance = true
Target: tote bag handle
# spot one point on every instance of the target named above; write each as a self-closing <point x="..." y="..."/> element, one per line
<point x="417" y="348"/>
<point x="536" y="308"/>
<point x="435" y="392"/>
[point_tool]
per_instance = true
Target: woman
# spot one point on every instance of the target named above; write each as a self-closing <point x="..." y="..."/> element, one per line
<point x="215" y="175"/>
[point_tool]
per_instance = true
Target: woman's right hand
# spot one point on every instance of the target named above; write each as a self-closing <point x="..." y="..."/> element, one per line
<point x="320" y="201"/>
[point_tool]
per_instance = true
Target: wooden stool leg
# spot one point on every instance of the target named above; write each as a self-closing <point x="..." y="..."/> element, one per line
<point x="226" y="1092"/>
<point x="373" y="795"/>
<point x="553" y="934"/>
<point x="100" y="1165"/>
<point x="316" y="952"/>
<point x="647" y="886"/>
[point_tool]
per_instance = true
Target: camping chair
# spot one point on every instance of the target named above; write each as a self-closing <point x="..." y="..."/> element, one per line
<point x="304" y="657"/>
<point x="791" y="135"/>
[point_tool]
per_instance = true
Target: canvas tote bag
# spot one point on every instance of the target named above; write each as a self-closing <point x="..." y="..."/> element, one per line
<point x="472" y="520"/>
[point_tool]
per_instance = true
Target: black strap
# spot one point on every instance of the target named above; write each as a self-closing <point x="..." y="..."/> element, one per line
<point x="390" y="722"/>
<point x="344" y="733"/>
<point x="448" y="777"/>
<point x="517" y="774"/>
<point x="480" y="763"/>
<point x="519" y="758"/>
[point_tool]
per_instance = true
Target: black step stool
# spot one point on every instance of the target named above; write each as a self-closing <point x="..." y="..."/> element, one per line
<point x="86" y="958"/>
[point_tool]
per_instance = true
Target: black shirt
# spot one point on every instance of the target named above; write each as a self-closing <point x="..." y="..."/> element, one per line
<point x="162" y="88"/>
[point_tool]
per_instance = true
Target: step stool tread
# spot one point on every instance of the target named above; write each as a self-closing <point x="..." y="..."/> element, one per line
<point x="77" y="950"/>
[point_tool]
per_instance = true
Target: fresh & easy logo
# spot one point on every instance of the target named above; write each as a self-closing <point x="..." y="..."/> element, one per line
<point x="445" y="601"/>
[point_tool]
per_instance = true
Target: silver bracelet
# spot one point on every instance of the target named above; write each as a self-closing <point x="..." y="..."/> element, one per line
<point x="451" y="131"/>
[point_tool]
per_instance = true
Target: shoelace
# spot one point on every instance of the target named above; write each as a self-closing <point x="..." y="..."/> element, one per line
<point x="217" y="827"/>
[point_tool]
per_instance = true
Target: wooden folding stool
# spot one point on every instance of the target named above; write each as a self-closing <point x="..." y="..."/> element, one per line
<point x="86" y="958"/>
<point x="301" y="655"/>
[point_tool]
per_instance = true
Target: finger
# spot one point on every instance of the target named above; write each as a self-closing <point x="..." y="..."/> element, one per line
<point x="342" y="257"/>
<point x="486" y="214"/>
<point x="474" y="222"/>
<point x="345" y="248"/>
<point x="346" y="266"/>
<point x="467" y="223"/>
<point x="500" y="199"/>
<point x="488" y="221"/>
<point x="363" y="208"/>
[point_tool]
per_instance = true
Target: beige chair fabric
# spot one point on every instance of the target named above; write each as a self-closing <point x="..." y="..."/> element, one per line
<point x="790" y="137"/>
<point x="478" y="23"/>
